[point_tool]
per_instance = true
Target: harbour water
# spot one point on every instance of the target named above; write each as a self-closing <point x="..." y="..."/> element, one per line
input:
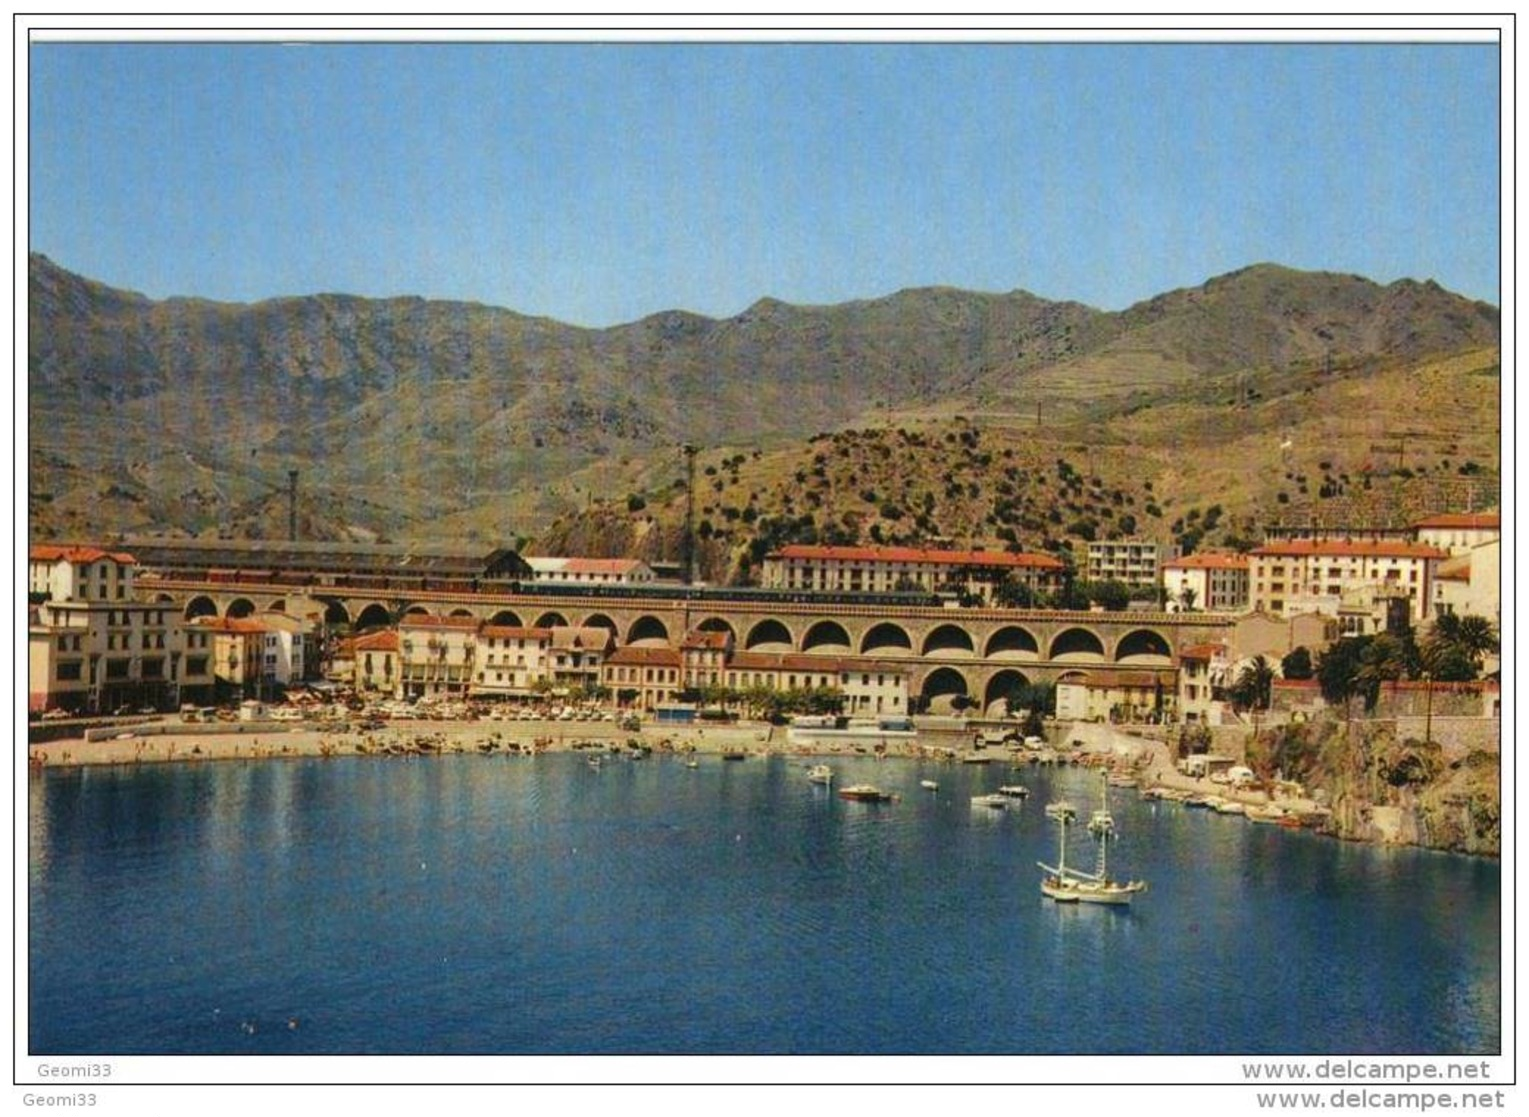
<point x="496" y="905"/>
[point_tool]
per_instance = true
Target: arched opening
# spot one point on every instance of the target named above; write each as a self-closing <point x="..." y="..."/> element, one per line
<point x="827" y="638"/>
<point x="461" y="612"/>
<point x="163" y="599"/>
<point x="506" y="619"/>
<point x="1012" y="642"/>
<point x="1003" y="687"/>
<point x="600" y="620"/>
<point x="335" y="613"/>
<point x="373" y="616"/>
<point x="240" y="607"/>
<point x="1144" y="647"/>
<point x="416" y="611"/>
<point x="718" y="624"/>
<point x="1076" y="645"/>
<point x="277" y="606"/>
<point x="944" y="692"/>
<point x="886" y="638"/>
<point x="201" y="606"/>
<point x="769" y="636"/>
<point x="647" y="632"/>
<point x="949" y="639"/>
<point x="551" y="620"/>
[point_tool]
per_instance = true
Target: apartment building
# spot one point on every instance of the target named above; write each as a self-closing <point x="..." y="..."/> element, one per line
<point x="1315" y="576"/>
<point x="1132" y="561"/>
<point x="1211" y="582"/>
<point x="1458" y="532"/>
<point x="591" y="571"/>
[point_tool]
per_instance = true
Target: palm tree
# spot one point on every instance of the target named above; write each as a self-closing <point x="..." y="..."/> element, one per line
<point x="1457" y="646"/>
<point x="1255" y="684"/>
<point x="1187" y="599"/>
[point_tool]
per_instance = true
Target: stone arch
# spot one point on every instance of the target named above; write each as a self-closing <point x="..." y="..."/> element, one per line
<point x="163" y="599"/>
<point x="277" y="606"/>
<point x="1076" y="645"/>
<point x="886" y="638"/>
<point x="373" y="616"/>
<point x="1144" y="646"/>
<point x="944" y="691"/>
<point x="1072" y="677"/>
<point x="335" y="612"/>
<point x="648" y="632"/>
<point x="828" y="638"/>
<point x="769" y="636"/>
<point x="462" y="613"/>
<point x="949" y="639"/>
<point x="200" y="606"/>
<point x="600" y="620"/>
<point x="506" y="619"/>
<point x="240" y="607"/>
<point x="551" y="620"/>
<point x="1012" y="642"/>
<point x="718" y="624"/>
<point x="417" y="610"/>
<point x="1003" y="684"/>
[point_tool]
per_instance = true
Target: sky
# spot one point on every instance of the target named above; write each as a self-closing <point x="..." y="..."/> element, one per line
<point x="598" y="183"/>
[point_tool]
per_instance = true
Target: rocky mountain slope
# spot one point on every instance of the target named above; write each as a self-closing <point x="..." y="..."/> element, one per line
<point x="430" y="419"/>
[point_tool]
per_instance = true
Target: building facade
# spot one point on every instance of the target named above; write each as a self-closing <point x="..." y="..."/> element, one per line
<point x="1132" y="561"/>
<point x="1313" y="576"/>
<point x="1211" y="582"/>
<point x="890" y="569"/>
<point x="591" y="571"/>
<point x="1458" y="532"/>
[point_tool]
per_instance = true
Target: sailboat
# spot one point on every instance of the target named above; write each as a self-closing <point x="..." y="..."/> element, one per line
<point x="1074" y="886"/>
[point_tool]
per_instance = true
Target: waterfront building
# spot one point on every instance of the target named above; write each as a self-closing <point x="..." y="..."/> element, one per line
<point x="375" y="661"/>
<point x="1210" y="581"/>
<point x="889" y="569"/>
<point x="591" y="571"/>
<point x="1205" y="673"/>
<point x="1458" y="532"/>
<point x="435" y="655"/>
<point x="516" y="662"/>
<point x="870" y="686"/>
<point x="643" y="678"/>
<point x="1117" y="695"/>
<point x="93" y="648"/>
<point x="1313" y="576"/>
<point x="1132" y="561"/>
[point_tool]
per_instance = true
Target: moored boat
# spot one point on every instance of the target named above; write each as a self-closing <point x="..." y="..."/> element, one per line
<point x="1074" y="886"/>
<point x="995" y="801"/>
<point x="866" y="793"/>
<point x="929" y="784"/>
<point x="1264" y="812"/>
<point x="1014" y="791"/>
<point x="820" y="773"/>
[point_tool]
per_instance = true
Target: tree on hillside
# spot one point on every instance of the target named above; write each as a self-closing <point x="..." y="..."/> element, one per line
<point x="1111" y="595"/>
<point x="1011" y="593"/>
<point x="1338" y="669"/>
<point x="1383" y="660"/>
<point x="1297" y="665"/>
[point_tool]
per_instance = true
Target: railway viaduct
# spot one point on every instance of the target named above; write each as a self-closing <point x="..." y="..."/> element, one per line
<point x="983" y="654"/>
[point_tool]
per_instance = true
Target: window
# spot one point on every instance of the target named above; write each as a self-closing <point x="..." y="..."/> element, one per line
<point x="69" y="672"/>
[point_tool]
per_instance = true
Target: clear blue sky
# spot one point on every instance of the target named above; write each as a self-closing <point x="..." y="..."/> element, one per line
<point x="599" y="183"/>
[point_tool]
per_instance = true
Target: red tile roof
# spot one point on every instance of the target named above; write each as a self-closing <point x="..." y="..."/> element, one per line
<point x="1202" y="651"/>
<point x="385" y="641"/>
<point x="425" y="620"/>
<point x="1297" y="548"/>
<point x="919" y="555"/>
<point x="644" y="657"/>
<point x="1208" y="560"/>
<point x="512" y="632"/>
<point x="717" y="641"/>
<point x="1480" y="520"/>
<point x="1124" y="680"/>
<point x="601" y="566"/>
<point x="49" y="552"/>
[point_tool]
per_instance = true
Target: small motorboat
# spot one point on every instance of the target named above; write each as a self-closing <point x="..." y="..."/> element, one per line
<point x="1014" y="791"/>
<point x="692" y="763"/>
<point x="866" y="793"/>
<point x="931" y="785"/>
<point x="820" y="773"/>
<point x="1061" y="810"/>
<point x="995" y="801"/>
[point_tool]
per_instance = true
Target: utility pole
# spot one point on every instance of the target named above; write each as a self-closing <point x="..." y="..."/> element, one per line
<point x="688" y="543"/>
<point x="291" y="506"/>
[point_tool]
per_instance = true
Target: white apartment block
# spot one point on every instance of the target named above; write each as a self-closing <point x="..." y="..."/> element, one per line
<point x="591" y="571"/>
<point x="1459" y="532"/>
<point x="1132" y="561"/>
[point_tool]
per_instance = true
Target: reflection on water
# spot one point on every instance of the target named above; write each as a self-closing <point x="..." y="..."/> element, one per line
<point x="488" y="904"/>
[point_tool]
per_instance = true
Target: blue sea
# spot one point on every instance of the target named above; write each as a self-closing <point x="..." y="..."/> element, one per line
<point x="507" y="905"/>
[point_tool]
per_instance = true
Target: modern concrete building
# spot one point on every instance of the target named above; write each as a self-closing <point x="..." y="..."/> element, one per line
<point x="1132" y="561"/>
